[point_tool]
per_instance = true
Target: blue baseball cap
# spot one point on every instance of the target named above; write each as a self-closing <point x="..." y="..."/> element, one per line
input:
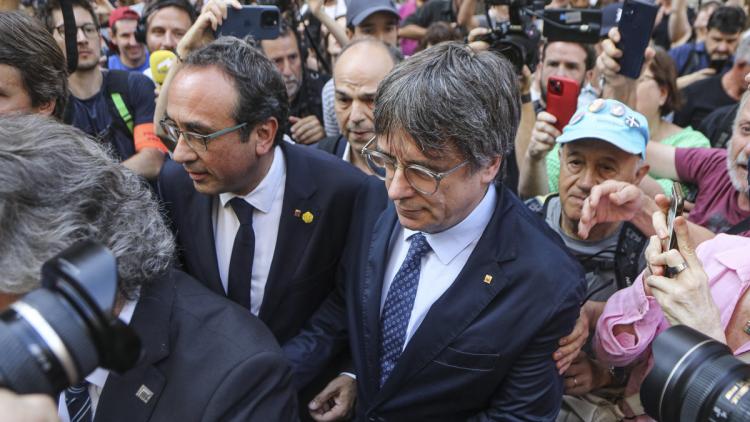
<point x="359" y="10"/>
<point x="610" y="121"/>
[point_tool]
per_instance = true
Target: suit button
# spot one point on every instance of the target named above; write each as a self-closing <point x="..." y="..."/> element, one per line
<point x="375" y="418"/>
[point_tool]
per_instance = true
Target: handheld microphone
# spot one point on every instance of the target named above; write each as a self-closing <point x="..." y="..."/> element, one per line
<point x="160" y="62"/>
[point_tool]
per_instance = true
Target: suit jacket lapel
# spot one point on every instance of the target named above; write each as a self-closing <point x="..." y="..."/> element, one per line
<point x="201" y="236"/>
<point x="370" y="296"/>
<point x="469" y="294"/>
<point x="136" y="392"/>
<point x="294" y="233"/>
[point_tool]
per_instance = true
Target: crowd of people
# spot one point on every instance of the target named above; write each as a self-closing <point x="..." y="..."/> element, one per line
<point x="378" y="214"/>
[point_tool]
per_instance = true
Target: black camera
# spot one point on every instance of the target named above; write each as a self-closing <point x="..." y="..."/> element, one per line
<point x="695" y="378"/>
<point x="516" y="39"/>
<point x="56" y="335"/>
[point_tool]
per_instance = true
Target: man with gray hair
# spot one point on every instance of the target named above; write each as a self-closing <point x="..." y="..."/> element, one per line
<point x="447" y="315"/>
<point x="203" y="358"/>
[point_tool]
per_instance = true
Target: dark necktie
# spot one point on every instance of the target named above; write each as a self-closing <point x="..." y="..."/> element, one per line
<point x="241" y="263"/>
<point x="398" y="305"/>
<point x="78" y="402"/>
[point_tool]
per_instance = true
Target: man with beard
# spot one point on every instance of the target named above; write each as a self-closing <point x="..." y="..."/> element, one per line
<point x="571" y="60"/>
<point x="366" y="62"/>
<point x="303" y="86"/>
<point x="116" y="107"/>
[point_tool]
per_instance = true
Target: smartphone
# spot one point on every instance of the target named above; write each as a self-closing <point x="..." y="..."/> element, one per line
<point x="636" y="24"/>
<point x="261" y="22"/>
<point x="718" y="65"/>
<point x="562" y="99"/>
<point x="572" y="25"/>
<point x="676" y="207"/>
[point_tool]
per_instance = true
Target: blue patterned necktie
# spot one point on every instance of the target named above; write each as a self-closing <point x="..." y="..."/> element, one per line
<point x="398" y="305"/>
<point x="78" y="402"/>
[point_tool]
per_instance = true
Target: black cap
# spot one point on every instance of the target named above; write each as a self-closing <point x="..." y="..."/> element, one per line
<point x="359" y="10"/>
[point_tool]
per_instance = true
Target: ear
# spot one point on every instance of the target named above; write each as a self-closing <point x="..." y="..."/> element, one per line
<point x="349" y="33"/>
<point x="47" y="108"/>
<point x="265" y="134"/>
<point x="489" y="173"/>
<point x="587" y="77"/>
<point x="641" y="173"/>
<point x="662" y="95"/>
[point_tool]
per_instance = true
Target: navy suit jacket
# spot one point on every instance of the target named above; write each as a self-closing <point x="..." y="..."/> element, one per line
<point x="205" y="359"/>
<point x="306" y="255"/>
<point x="484" y="349"/>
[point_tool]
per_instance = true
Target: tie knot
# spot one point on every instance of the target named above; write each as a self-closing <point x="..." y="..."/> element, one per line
<point x="243" y="210"/>
<point x="418" y="246"/>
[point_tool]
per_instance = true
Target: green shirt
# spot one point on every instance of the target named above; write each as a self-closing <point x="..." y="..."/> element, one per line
<point x="686" y="138"/>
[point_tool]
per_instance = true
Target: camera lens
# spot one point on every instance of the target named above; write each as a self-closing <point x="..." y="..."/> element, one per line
<point x="269" y="19"/>
<point x="695" y="378"/>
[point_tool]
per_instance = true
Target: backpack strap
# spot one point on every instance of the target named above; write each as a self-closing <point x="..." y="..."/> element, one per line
<point x="116" y="91"/>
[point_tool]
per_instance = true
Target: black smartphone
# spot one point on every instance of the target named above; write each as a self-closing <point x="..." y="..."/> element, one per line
<point x="262" y="22"/>
<point x="676" y="207"/>
<point x="718" y="65"/>
<point x="572" y="25"/>
<point x="636" y="24"/>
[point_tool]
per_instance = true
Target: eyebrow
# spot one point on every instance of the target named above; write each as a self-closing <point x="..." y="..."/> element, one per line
<point x="192" y="126"/>
<point x="423" y="163"/>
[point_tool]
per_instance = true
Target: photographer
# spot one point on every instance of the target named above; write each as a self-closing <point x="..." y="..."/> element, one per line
<point x="58" y="187"/>
<point x="708" y="294"/>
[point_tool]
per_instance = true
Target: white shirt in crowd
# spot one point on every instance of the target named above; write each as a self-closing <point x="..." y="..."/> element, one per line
<point x="450" y="251"/>
<point x="267" y="199"/>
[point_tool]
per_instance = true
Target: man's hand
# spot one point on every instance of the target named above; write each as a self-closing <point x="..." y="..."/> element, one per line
<point x="336" y="401"/>
<point x="307" y="130"/>
<point x="685" y="299"/>
<point x="571" y="345"/>
<point x="585" y="375"/>
<point x="543" y="136"/>
<point x="316" y="6"/>
<point x="609" y="201"/>
<point x="696" y="76"/>
<point x="202" y="32"/>
<point x="27" y="408"/>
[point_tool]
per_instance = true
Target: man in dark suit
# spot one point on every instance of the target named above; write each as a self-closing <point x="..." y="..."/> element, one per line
<point x="298" y="200"/>
<point x="456" y="296"/>
<point x="204" y="358"/>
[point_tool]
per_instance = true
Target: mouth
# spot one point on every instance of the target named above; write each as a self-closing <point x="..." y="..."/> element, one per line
<point x="196" y="176"/>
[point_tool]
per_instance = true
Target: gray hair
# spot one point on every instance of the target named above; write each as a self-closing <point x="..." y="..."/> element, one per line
<point x="261" y="93"/>
<point x="450" y="96"/>
<point x="57" y="186"/>
<point x="742" y="54"/>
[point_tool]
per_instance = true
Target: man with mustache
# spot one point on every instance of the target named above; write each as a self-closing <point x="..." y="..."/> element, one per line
<point x="366" y="62"/>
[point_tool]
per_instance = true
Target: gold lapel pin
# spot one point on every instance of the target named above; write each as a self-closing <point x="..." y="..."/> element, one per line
<point x="487" y="278"/>
<point x="144" y="394"/>
<point x="308" y="217"/>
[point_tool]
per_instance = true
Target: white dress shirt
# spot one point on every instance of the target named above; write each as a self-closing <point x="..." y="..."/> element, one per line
<point x="440" y="266"/>
<point x="267" y="199"/>
<point x="97" y="378"/>
<point x="347" y="153"/>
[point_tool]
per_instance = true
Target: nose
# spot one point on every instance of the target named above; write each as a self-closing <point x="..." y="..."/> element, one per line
<point x="359" y="112"/>
<point x="132" y="41"/>
<point x="183" y="153"/>
<point x="398" y="187"/>
<point x="286" y="67"/>
<point x="169" y="42"/>
<point x="587" y="180"/>
<point x="81" y="36"/>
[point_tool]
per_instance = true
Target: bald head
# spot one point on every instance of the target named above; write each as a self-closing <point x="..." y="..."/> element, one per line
<point x="358" y="71"/>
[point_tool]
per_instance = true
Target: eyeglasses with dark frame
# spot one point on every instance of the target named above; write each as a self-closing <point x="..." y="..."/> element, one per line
<point x="192" y="139"/>
<point x="89" y="30"/>
<point x="424" y="180"/>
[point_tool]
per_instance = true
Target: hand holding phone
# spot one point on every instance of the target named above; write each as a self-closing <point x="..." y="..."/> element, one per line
<point x="635" y="26"/>
<point x="262" y="22"/>
<point x="676" y="207"/>
<point x="562" y="99"/>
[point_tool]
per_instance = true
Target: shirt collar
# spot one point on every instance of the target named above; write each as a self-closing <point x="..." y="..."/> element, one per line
<point x="449" y="243"/>
<point x="736" y="260"/>
<point x="99" y="376"/>
<point x="261" y="198"/>
<point x="347" y="153"/>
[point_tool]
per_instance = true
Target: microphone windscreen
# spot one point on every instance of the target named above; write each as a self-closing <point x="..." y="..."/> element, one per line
<point x="160" y="62"/>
